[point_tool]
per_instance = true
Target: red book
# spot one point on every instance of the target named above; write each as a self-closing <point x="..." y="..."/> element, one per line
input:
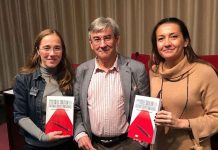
<point x="142" y="126"/>
<point x="59" y="114"/>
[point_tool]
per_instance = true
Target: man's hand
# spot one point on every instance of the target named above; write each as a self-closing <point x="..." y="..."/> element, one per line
<point x="85" y="143"/>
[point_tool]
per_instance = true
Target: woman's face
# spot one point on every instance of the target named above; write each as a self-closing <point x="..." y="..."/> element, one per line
<point x="50" y="51"/>
<point x="170" y="42"/>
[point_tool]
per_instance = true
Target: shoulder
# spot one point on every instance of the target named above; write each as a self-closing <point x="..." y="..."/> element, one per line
<point x="82" y="68"/>
<point x="132" y="64"/>
<point x="204" y="75"/>
<point x="22" y="76"/>
<point x="86" y="65"/>
<point x="203" y="69"/>
<point x="28" y="77"/>
<point x="136" y="63"/>
<point x="22" y="81"/>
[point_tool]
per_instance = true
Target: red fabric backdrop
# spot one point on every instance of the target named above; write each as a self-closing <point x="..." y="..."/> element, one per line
<point x="144" y="58"/>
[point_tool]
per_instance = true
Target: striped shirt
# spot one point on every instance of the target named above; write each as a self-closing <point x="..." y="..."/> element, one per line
<point x="106" y="103"/>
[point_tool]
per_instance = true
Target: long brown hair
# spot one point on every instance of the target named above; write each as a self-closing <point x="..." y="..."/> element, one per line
<point x="65" y="80"/>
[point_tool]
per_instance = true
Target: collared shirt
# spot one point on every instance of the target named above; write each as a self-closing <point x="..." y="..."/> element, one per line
<point x="106" y="102"/>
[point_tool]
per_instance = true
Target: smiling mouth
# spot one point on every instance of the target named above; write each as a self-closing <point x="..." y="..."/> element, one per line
<point x="51" y="59"/>
<point x="168" y="50"/>
<point x="103" y="50"/>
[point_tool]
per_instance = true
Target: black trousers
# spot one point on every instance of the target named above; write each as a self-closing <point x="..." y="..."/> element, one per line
<point x="127" y="144"/>
<point x="68" y="145"/>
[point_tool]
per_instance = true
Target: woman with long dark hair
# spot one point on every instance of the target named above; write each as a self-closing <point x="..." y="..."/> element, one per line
<point x="187" y="87"/>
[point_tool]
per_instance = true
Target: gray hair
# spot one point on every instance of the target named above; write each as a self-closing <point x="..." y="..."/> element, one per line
<point x="103" y="23"/>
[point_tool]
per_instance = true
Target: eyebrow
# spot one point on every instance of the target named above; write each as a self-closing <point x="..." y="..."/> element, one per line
<point x="178" y="33"/>
<point x="59" y="45"/>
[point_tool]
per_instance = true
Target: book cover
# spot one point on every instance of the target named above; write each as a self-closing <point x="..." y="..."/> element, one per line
<point x="59" y="114"/>
<point x="142" y="126"/>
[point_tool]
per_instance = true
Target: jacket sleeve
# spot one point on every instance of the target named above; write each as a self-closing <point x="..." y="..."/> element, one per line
<point x="141" y="78"/>
<point x="143" y="82"/>
<point x="78" y="123"/>
<point x="21" y="96"/>
<point x="207" y="124"/>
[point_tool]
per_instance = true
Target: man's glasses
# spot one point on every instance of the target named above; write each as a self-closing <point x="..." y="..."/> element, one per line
<point x="106" y="39"/>
<point x="48" y="49"/>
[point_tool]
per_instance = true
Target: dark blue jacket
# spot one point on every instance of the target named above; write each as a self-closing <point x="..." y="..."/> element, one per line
<point x="28" y="91"/>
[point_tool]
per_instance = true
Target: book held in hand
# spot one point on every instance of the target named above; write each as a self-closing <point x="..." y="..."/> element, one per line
<point x="59" y="114"/>
<point x="142" y="126"/>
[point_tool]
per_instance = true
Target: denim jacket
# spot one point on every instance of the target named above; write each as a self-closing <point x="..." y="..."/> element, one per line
<point x="29" y="90"/>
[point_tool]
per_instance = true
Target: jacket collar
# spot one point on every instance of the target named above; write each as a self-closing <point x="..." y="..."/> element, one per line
<point x="37" y="74"/>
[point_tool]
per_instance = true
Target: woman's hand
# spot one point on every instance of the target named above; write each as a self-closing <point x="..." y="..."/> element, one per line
<point x="56" y="135"/>
<point x="166" y="118"/>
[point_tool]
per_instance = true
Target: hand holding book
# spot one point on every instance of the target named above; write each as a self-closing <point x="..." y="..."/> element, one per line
<point x="166" y="118"/>
<point x="142" y="126"/>
<point x="55" y="135"/>
<point x="59" y="116"/>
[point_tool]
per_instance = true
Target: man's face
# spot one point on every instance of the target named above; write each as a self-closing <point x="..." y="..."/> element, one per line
<point x="104" y="44"/>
